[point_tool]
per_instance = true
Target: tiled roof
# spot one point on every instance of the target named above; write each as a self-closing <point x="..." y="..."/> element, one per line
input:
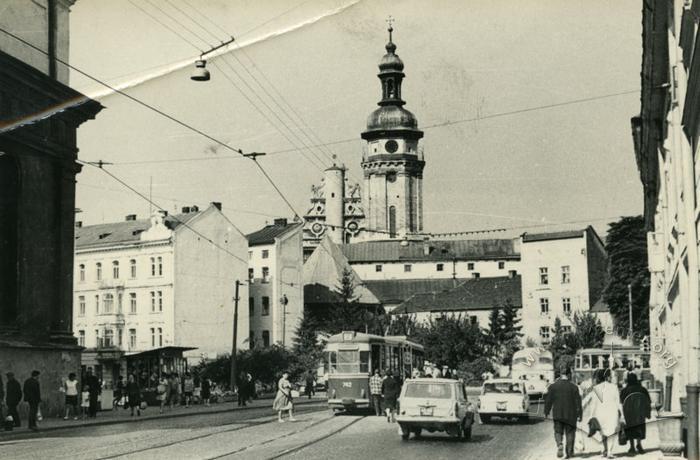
<point x="600" y="307"/>
<point x="268" y="233"/>
<point x="473" y="294"/>
<point x="397" y="291"/>
<point x="128" y="231"/>
<point x="528" y="237"/>
<point x="389" y="251"/>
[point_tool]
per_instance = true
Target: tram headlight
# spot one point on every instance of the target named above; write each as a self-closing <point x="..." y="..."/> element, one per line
<point x="333" y="393"/>
<point x="363" y="393"/>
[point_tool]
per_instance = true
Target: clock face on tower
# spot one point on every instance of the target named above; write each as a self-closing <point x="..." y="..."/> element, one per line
<point x="391" y="146"/>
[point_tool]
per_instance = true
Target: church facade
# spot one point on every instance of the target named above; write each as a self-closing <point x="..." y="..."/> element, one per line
<point x="390" y="205"/>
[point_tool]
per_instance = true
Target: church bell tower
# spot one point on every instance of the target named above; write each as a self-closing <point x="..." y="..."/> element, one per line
<point x="392" y="160"/>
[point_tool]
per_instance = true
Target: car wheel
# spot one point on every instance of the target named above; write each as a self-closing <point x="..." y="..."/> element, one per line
<point x="417" y="432"/>
<point x="405" y="432"/>
<point x="525" y="419"/>
<point x="485" y="419"/>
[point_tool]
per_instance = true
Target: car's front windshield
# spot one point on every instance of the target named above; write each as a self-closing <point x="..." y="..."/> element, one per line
<point x="502" y="387"/>
<point x="429" y="390"/>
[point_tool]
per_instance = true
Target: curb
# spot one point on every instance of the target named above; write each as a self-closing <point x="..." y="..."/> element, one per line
<point x="24" y="431"/>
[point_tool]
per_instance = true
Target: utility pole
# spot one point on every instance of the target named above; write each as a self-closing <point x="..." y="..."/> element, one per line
<point x="235" y="336"/>
<point x="629" y="302"/>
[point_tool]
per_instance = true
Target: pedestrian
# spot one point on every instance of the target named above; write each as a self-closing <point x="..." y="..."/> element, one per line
<point x="604" y="400"/>
<point x="32" y="395"/>
<point x="163" y="390"/>
<point x="446" y="373"/>
<point x="206" y="390"/>
<point x="251" y="393"/>
<point x="85" y="400"/>
<point x="94" y="388"/>
<point x="636" y="408"/>
<point x="564" y="401"/>
<point x="70" y="387"/>
<point x="242" y="386"/>
<point x="119" y="393"/>
<point x="133" y="394"/>
<point x="174" y="389"/>
<point x="2" y="397"/>
<point x="188" y="386"/>
<point x="390" y="393"/>
<point x="13" y="396"/>
<point x="375" y="389"/>
<point x="309" y="384"/>
<point x="283" y="400"/>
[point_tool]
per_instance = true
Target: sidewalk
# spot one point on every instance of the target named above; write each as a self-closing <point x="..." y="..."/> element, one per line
<point x="120" y="415"/>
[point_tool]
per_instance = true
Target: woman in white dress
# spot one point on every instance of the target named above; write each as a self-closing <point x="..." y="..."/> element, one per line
<point x="604" y="400"/>
<point x="283" y="400"/>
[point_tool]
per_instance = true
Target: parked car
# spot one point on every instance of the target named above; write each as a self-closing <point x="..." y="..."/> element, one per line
<point x="435" y="405"/>
<point x="505" y="398"/>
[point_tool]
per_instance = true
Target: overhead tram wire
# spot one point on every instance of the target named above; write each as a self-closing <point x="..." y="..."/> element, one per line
<point x="157" y="206"/>
<point x="292" y="132"/>
<point x="171" y="29"/>
<point x="193" y="33"/>
<point x="154" y="109"/>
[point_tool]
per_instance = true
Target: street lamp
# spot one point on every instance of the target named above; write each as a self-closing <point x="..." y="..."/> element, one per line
<point x="200" y="65"/>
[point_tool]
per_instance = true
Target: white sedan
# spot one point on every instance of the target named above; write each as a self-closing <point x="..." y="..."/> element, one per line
<point x="505" y="398"/>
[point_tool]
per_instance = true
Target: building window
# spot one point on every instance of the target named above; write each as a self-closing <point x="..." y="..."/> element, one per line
<point x="250" y="255"/>
<point x="476" y="275"/>
<point x="565" y="275"/>
<point x="108" y="339"/>
<point x="153" y="266"/>
<point x="153" y="337"/>
<point x="98" y="271"/>
<point x="119" y="337"/>
<point x="160" y="336"/>
<point x="81" y="272"/>
<point x="153" y="301"/>
<point x="378" y="268"/>
<point x="81" y="305"/>
<point x="81" y="338"/>
<point x="132" y="302"/>
<point x="97" y="338"/>
<point x="266" y="338"/>
<point x="251" y="339"/>
<point x="544" y="332"/>
<point x="265" y="253"/>
<point x="251" y="307"/>
<point x="474" y="320"/>
<point x="132" y="339"/>
<point x="470" y="265"/>
<point x="392" y="221"/>
<point x="544" y="306"/>
<point x="160" y="266"/>
<point x="512" y="273"/>
<point x="97" y="304"/>
<point x="544" y="276"/>
<point x="566" y="329"/>
<point x="265" y="274"/>
<point x="407" y="268"/>
<point x="160" y="300"/>
<point x="251" y="274"/>
<point x="265" y="306"/>
<point x="566" y="305"/>
<point x="115" y="269"/>
<point x="120" y="299"/>
<point x="108" y="303"/>
<point x="501" y="265"/>
<point x="440" y="267"/>
<point x="132" y="264"/>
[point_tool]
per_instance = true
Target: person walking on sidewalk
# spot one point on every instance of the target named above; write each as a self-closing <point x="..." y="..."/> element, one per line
<point x="163" y="390"/>
<point x="242" y="384"/>
<point x="375" y="390"/>
<point x="13" y="396"/>
<point x="309" y="384"/>
<point x="70" y="386"/>
<point x="119" y="393"/>
<point x="133" y="393"/>
<point x="94" y="388"/>
<point x="188" y="386"/>
<point x="564" y="401"/>
<point x="32" y="395"/>
<point x="390" y="392"/>
<point x="283" y="400"/>
<point x="605" y="407"/>
<point x="636" y="408"/>
<point x="175" y="390"/>
<point x="206" y="391"/>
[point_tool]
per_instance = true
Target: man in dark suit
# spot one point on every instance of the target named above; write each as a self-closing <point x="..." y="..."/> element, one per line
<point x="564" y="401"/>
<point x="13" y="396"/>
<point x="32" y="394"/>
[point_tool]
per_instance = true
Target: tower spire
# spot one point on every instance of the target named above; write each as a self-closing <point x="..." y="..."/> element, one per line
<point x="390" y="21"/>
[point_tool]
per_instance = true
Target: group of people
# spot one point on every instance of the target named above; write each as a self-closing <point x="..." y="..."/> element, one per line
<point x="173" y="390"/>
<point x="246" y="388"/>
<point x="611" y="412"/>
<point x="385" y="390"/>
<point x="12" y="394"/>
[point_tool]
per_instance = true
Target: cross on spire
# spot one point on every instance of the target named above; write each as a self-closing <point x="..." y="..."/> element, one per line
<point x="390" y="21"/>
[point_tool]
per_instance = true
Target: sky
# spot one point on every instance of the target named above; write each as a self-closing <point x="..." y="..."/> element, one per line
<point x="547" y="89"/>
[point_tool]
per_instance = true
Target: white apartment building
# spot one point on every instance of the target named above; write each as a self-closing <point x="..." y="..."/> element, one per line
<point x="562" y="273"/>
<point x="163" y="282"/>
<point x="276" y="291"/>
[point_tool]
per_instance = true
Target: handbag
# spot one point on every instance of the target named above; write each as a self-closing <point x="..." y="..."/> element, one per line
<point x="621" y="433"/>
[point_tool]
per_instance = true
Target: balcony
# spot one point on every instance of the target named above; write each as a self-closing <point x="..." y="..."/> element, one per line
<point x="111" y="283"/>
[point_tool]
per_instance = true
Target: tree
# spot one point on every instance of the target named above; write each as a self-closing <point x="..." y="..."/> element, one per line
<point x="505" y="334"/>
<point x="347" y="314"/>
<point x="589" y="330"/>
<point x="626" y="245"/>
<point x="308" y="350"/>
<point x="452" y="341"/>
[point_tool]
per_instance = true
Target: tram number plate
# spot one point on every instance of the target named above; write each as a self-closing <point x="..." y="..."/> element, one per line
<point x="501" y="406"/>
<point x="347" y="384"/>
<point x="426" y="411"/>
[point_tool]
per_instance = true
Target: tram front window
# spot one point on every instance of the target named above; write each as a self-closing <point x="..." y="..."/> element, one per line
<point x="349" y="361"/>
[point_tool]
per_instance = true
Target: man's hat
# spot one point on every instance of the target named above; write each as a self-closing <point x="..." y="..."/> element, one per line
<point x="35" y="373"/>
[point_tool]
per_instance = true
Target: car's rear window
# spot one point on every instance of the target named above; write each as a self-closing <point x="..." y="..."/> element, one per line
<point x="502" y="387"/>
<point x="429" y="390"/>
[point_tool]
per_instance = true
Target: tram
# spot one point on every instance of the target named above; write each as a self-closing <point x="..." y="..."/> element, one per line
<point x="351" y="357"/>
<point x="618" y="359"/>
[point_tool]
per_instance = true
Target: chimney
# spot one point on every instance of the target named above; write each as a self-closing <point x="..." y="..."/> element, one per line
<point x="194" y="208"/>
<point x="282" y="222"/>
<point x="185" y="209"/>
<point x="78" y="224"/>
<point x="130" y="217"/>
<point x="216" y="204"/>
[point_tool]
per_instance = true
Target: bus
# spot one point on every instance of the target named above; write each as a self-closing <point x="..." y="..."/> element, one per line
<point x="535" y="366"/>
<point x="616" y="358"/>
<point x="351" y="357"/>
